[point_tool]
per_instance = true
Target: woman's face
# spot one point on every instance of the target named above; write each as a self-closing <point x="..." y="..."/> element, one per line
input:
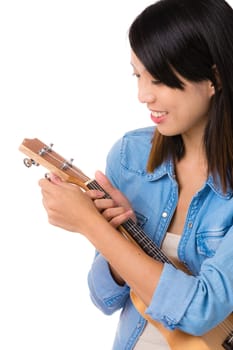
<point x="174" y="111"/>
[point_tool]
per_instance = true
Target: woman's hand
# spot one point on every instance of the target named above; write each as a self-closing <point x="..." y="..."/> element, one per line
<point x="115" y="210"/>
<point x="67" y="206"/>
<point x="71" y="208"/>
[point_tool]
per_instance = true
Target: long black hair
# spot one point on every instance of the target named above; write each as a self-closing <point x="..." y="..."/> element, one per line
<point x="193" y="38"/>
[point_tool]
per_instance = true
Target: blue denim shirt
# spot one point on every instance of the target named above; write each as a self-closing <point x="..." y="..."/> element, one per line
<point x="192" y="303"/>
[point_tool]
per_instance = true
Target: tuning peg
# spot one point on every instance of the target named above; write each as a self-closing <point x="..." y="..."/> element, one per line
<point x="46" y="149"/>
<point x="67" y="164"/>
<point x="29" y="162"/>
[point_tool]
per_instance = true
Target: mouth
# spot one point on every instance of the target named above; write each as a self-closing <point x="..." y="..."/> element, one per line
<point x="158" y="117"/>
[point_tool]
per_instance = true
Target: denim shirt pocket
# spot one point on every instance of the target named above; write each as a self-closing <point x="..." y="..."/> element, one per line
<point x="209" y="241"/>
<point x="141" y="219"/>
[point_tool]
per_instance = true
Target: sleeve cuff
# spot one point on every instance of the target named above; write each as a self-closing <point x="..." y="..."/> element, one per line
<point x="171" y="299"/>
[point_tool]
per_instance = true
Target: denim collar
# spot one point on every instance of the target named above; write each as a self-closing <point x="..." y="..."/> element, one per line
<point x="167" y="169"/>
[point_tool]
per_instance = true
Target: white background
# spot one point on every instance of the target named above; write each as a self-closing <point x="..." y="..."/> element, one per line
<point x="65" y="78"/>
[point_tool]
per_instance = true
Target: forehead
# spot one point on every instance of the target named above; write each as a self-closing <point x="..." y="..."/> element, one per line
<point x="136" y="63"/>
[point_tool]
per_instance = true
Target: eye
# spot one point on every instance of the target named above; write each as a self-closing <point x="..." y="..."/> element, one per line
<point x="134" y="74"/>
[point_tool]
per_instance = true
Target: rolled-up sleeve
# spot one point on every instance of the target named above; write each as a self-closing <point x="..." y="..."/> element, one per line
<point x="196" y="304"/>
<point x="105" y="293"/>
<point x="169" y="303"/>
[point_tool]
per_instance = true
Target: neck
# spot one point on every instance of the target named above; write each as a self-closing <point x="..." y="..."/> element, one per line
<point x="194" y="149"/>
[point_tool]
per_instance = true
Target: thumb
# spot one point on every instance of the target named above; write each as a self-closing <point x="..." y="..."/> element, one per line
<point x="55" y="178"/>
<point x="113" y="192"/>
<point x="104" y="182"/>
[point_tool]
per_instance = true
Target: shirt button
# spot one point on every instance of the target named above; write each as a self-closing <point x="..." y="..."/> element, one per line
<point x="190" y="225"/>
<point x="164" y="215"/>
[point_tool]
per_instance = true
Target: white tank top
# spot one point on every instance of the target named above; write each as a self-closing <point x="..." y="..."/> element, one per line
<point x="151" y="338"/>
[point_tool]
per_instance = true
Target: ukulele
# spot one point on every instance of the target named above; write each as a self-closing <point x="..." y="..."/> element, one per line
<point x="219" y="338"/>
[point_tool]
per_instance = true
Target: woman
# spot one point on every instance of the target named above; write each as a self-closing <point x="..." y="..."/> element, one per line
<point x="175" y="180"/>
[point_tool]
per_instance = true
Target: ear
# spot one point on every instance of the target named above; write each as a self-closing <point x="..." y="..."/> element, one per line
<point x="217" y="81"/>
<point x="211" y="88"/>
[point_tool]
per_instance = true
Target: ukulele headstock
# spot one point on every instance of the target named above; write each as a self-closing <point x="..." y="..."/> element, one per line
<point x="39" y="153"/>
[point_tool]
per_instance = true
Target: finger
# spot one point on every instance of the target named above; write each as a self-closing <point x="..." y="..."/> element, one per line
<point x="120" y="219"/>
<point x="42" y="182"/>
<point x="118" y="215"/>
<point x="49" y="179"/>
<point x="104" y="204"/>
<point x="104" y="182"/>
<point x="113" y="192"/>
<point x="45" y="185"/>
<point x="111" y="213"/>
<point x="95" y="194"/>
<point x="55" y="178"/>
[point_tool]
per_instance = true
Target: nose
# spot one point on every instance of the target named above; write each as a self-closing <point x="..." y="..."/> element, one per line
<point x="146" y="93"/>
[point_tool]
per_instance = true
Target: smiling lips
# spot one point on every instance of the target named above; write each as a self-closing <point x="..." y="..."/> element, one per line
<point x="158" y="117"/>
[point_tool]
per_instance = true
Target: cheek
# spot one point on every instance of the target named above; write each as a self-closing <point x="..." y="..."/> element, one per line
<point x="198" y="102"/>
<point x="202" y="96"/>
<point x="202" y="106"/>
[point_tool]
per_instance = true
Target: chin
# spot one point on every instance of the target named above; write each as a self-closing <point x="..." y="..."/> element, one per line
<point x="167" y="132"/>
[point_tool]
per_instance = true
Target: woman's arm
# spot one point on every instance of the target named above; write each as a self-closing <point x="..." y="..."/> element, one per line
<point x="70" y="208"/>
